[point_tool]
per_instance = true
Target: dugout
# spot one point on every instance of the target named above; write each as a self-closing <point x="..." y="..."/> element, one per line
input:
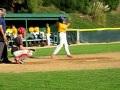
<point x="27" y="20"/>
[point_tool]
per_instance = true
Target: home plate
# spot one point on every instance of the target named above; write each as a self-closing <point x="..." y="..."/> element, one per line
<point x="92" y="60"/>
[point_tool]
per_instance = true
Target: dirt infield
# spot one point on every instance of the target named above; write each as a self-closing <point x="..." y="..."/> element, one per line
<point x="80" y="62"/>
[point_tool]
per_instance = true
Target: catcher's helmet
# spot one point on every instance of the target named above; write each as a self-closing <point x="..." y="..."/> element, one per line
<point x="21" y="31"/>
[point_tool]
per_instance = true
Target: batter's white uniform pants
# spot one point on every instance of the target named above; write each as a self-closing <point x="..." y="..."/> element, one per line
<point x="48" y="39"/>
<point x="63" y="41"/>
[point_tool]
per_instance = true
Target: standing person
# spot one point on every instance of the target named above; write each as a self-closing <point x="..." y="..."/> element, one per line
<point x="62" y="26"/>
<point x="18" y="50"/>
<point x="48" y="31"/>
<point x="3" y="39"/>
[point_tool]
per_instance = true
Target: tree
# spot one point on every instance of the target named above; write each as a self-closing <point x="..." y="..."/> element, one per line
<point x="33" y="5"/>
<point x="113" y="4"/>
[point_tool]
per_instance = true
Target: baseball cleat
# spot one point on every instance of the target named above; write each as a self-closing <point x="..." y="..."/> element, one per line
<point x="70" y="56"/>
<point x="18" y="61"/>
<point x="53" y="56"/>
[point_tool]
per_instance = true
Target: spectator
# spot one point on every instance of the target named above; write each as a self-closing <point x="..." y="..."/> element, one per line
<point x="31" y="29"/>
<point x="36" y="32"/>
<point x="9" y="33"/>
<point x="14" y="31"/>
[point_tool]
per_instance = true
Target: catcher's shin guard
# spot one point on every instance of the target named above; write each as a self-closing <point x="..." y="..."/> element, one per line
<point x="21" y="57"/>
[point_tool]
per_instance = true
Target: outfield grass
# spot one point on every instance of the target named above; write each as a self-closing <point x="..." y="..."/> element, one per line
<point x="81" y="49"/>
<point x="62" y="80"/>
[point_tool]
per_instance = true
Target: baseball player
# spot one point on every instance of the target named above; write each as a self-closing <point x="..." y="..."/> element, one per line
<point x="48" y="31"/>
<point x="14" y="31"/>
<point x="62" y="26"/>
<point x="18" y="50"/>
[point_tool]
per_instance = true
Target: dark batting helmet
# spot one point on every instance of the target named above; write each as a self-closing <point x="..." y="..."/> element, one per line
<point x="61" y="19"/>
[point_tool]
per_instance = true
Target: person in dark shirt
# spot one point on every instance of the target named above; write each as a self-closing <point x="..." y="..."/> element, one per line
<point x="18" y="50"/>
<point x="3" y="39"/>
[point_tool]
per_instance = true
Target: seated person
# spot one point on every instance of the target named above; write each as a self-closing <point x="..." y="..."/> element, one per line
<point x="9" y="33"/>
<point x="31" y="29"/>
<point x="36" y="32"/>
<point x="18" y="50"/>
<point x="14" y="31"/>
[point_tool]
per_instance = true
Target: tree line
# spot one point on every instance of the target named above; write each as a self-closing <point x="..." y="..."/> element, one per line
<point x="96" y="9"/>
<point x="69" y="6"/>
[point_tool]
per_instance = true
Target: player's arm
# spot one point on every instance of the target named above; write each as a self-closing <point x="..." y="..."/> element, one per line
<point x="2" y="32"/>
<point x="68" y="24"/>
<point x="20" y="43"/>
<point x="21" y="47"/>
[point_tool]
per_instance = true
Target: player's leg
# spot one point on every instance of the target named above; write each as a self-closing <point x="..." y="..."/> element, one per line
<point x="66" y="47"/>
<point x="1" y="49"/>
<point x="5" y="55"/>
<point x="21" y="55"/>
<point x="59" y="46"/>
<point x="48" y="39"/>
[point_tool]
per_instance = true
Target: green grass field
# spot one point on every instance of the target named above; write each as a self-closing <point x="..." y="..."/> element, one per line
<point x="62" y="80"/>
<point x="80" y="49"/>
<point x="105" y="79"/>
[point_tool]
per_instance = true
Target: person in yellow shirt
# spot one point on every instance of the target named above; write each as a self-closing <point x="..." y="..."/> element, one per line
<point x="14" y="31"/>
<point x="31" y="29"/>
<point x="36" y="29"/>
<point x="36" y="32"/>
<point x="62" y="26"/>
<point x="9" y="33"/>
<point x="48" y="33"/>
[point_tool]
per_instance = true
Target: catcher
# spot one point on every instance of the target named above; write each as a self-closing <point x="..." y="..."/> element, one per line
<point x="18" y="50"/>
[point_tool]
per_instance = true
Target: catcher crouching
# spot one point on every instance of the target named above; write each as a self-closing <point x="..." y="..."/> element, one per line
<point x="20" y="52"/>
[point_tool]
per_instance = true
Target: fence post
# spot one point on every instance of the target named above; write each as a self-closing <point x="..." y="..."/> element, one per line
<point x="26" y="33"/>
<point x="78" y="36"/>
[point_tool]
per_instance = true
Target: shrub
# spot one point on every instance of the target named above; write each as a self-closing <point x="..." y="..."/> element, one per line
<point x="97" y="10"/>
<point x="113" y="4"/>
<point x="47" y="3"/>
<point x="33" y="5"/>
